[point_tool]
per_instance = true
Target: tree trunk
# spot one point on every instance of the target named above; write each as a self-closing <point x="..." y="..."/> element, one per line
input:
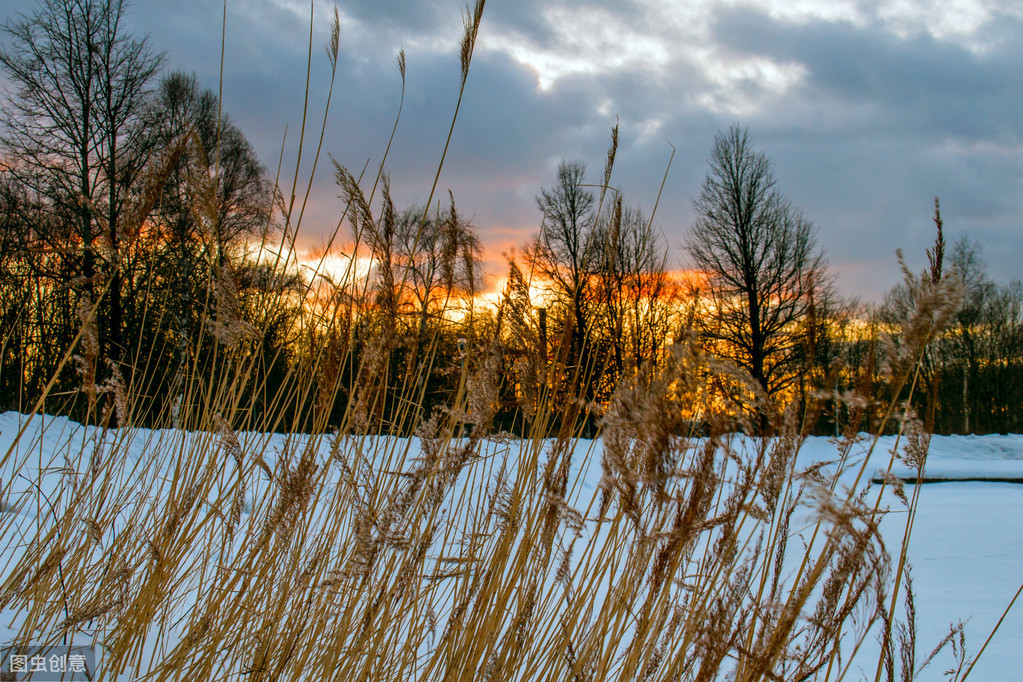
<point x="757" y="358"/>
<point x="543" y="336"/>
<point x="116" y="281"/>
<point x="966" y="404"/>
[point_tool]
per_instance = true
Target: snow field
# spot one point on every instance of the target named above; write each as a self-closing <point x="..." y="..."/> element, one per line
<point x="965" y="549"/>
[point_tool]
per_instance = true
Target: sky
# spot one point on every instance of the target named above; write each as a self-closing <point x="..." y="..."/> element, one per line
<point x="867" y="109"/>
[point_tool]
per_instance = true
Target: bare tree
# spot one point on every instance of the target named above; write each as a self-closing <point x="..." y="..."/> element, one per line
<point x="635" y="293"/>
<point x="439" y="259"/>
<point x="74" y="133"/>
<point x="760" y="261"/>
<point x="243" y="193"/>
<point x="563" y="254"/>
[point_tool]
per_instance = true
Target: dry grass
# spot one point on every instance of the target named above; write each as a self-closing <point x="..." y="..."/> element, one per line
<point x="209" y="553"/>
<point x="454" y="555"/>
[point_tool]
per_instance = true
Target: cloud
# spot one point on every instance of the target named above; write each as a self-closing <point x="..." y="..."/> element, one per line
<point x="868" y="108"/>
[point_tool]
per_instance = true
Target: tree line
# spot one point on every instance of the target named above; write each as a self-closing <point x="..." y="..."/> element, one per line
<point x="135" y="230"/>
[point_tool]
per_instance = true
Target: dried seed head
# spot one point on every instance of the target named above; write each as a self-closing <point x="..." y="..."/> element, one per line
<point x="918" y="441"/>
<point x="228" y="325"/>
<point x="471" y="20"/>
<point x="482" y="390"/>
<point x="229" y="440"/>
<point x="93" y="531"/>
<point x="89" y="345"/>
<point x="114" y="385"/>
<point x="334" y="44"/>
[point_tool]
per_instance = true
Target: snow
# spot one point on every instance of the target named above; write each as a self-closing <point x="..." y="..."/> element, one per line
<point x="967" y="557"/>
<point x="966" y="549"/>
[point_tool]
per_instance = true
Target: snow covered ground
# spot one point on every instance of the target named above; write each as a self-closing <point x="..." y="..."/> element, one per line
<point x="966" y="549"/>
<point x="967" y="556"/>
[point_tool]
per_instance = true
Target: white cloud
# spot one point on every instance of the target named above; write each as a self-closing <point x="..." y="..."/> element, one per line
<point x="951" y="20"/>
<point x="654" y="40"/>
<point x="584" y="41"/>
<point x="654" y="36"/>
<point x="742" y="84"/>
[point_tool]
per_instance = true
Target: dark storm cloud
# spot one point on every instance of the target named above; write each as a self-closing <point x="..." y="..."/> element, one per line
<point x="408" y="16"/>
<point x="918" y="84"/>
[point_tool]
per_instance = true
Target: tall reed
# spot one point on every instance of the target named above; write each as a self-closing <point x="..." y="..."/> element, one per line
<point x="215" y="548"/>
